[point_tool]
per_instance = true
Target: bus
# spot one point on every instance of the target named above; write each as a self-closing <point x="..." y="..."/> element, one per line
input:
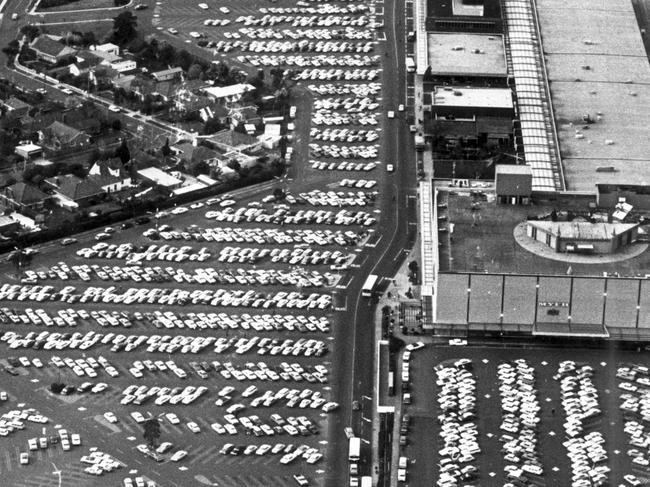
<point x="369" y="286"/>
<point x="366" y="481"/>
<point x="355" y="449"/>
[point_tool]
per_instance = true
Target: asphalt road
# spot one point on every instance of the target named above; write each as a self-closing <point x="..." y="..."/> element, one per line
<point x="398" y="190"/>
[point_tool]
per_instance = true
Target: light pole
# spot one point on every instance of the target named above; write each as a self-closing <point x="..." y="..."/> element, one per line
<point x="57" y="472"/>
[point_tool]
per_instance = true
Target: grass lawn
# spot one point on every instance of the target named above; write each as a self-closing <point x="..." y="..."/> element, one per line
<point x="101" y="28"/>
<point x="79" y="5"/>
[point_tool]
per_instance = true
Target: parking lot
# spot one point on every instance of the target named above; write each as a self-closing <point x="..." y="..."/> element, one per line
<point x="539" y="438"/>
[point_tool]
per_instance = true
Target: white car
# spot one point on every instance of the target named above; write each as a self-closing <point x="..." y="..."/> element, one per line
<point x="400" y="108"/>
<point x="203" y="6"/>
<point x="172" y="418"/>
<point x="75" y="439"/>
<point x="110" y="417"/>
<point x="137" y="416"/>
<point x="24" y="458"/>
<point x="390" y="168"/>
<point x="164" y="447"/>
<point x="178" y="456"/>
<point x="226" y="203"/>
<point x="391" y="114"/>
<point x="193" y="427"/>
<point x="224" y="10"/>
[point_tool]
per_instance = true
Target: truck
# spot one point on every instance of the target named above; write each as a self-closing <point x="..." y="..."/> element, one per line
<point x="366" y="481"/>
<point x="354" y="450"/>
<point x="410" y="64"/>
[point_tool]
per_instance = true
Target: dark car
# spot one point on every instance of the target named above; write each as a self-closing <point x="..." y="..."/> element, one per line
<point x="403" y="440"/>
<point x="11" y="370"/>
<point x="126" y="225"/>
<point x="13" y="361"/>
<point x="140" y="6"/>
<point x="142" y="220"/>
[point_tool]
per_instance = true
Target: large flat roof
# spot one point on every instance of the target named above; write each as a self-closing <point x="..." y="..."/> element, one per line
<point x="472" y="97"/>
<point x="454" y="54"/>
<point x="596" y="64"/>
<point x="484" y="240"/>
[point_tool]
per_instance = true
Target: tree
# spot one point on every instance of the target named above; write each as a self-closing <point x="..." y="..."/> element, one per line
<point x="165" y="150"/>
<point x="166" y="54"/>
<point x="30" y="31"/>
<point x="194" y="71"/>
<point x="78" y="170"/>
<point x="116" y="125"/>
<point x="278" y="194"/>
<point x="88" y="38"/>
<point x="124" y="28"/>
<point x="234" y="165"/>
<point x="12" y="49"/>
<point x="123" y="152"/>
<point x="211" y="126"/>
<point x="413" y="266"/>
<point x="151" y="431"/>
<point x="57" y="387"/>
<point x="184" y="59"/>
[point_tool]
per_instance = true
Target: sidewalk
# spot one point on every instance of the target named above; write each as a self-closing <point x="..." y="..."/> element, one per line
<point x="397" y="290"/>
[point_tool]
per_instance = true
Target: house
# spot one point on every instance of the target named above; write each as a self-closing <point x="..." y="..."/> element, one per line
<point x="8" y="225"/>
<point x="85" y="61"/>
<point x="160" y="178"/>
<point x="109" y="48"/>
<point x="227" y="94"/>
<point x="109" y="175"/>
<point x="16" y="107"/>
<point x="50" y="50"/>
<point x="23" y="197"/>
<point x="582" y="237"/>
<point x="228" y="140"/>
<point x="60" y="136"/>
<point x="29" y="151"/>
<point x="168" y="74"/>
<point x="85" y="118"/>
<point x="72" y="191"/>
<point x="195" y="154"/>
<point x="247" y="114"/>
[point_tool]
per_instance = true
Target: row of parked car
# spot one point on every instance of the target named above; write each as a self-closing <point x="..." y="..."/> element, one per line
<point x="166" y="296"/>
<point x="344" y="152"/>
<point x="266" y="236"/>
<point x="457" y="419"/>
<point x="347" y="33"/>
<point x="343" y="165"/>
<point x="208" y="275"/>
<point x="360" y="90"/>
<point x="520" y="411"/>
<point x="349" y="104"/>
<point x="224" y="321"/>
<point x="584" y="445"/>
<point x="283" y="216"/>
<point x="344" y="135"/>
<point x="126" y="251"/>
<point x="634" y="380"/>
<point x="298" y="256"/>
<point x="333" y="74"/>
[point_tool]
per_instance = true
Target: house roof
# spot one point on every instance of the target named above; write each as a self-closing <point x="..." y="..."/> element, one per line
<point x="228" y="91"/>
<point x="583" y="230"/>
<point x="166" y="72"/>
<point x="233" y="138"/>
<point x="198" y="153"/>
<point x="75" y="188"/>
<point x="63" y="131"/>
<point x="47" y="45"/>
<point x="106" y="56"/>
<point x="25" y="194"/>
<point x="14" y="103"/>
<point x="103" y="179"/>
